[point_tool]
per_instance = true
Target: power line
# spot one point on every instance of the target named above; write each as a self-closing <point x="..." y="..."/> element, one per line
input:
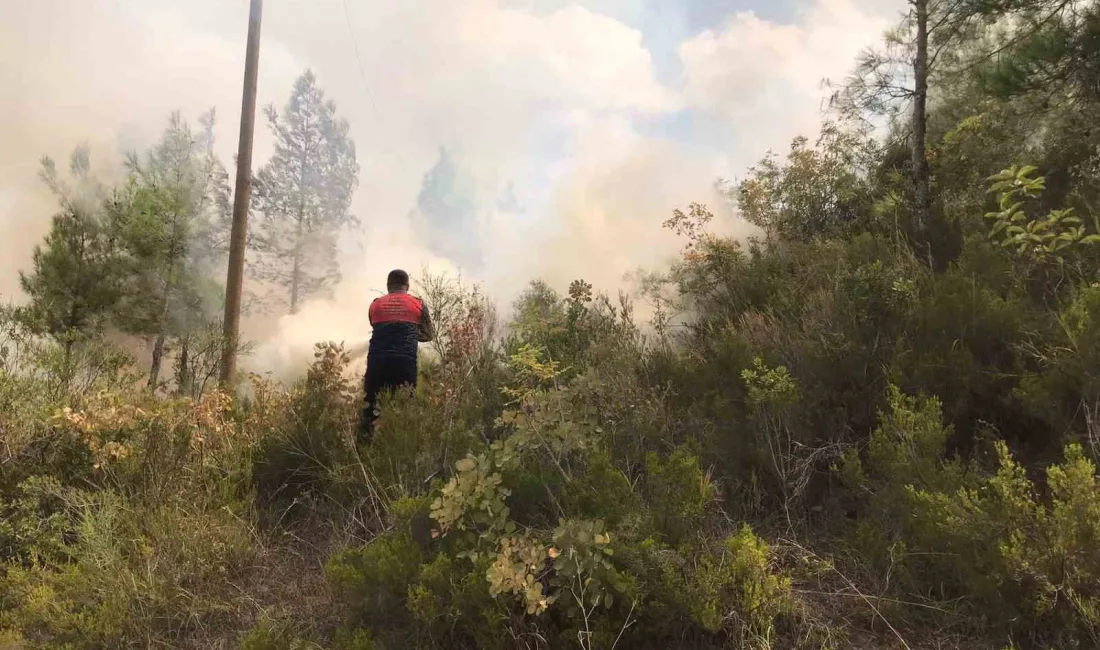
<point x="363" y="75"/>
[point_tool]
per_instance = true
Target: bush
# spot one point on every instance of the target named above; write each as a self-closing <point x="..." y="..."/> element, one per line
<point x="299" y="458"/>
<point x="275" y="635"/>
<point x="956" y="531"/>
<point x="34" y="525"/>
<point x="679" y="495"/>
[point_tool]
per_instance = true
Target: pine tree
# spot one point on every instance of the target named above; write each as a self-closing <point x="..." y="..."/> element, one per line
<point x="303" y="195"/>
<point x="445" y="218"/>
<point x="895" y="80"/>
<point x="74" y="282"/>
<point x="172" y="221"/>
<point x="922" y="174"/>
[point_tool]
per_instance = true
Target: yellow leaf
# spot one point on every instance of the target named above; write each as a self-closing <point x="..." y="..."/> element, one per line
<point x="466" y="465"/>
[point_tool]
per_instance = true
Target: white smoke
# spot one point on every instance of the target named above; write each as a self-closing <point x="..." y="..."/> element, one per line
<point x="561" y="99"/>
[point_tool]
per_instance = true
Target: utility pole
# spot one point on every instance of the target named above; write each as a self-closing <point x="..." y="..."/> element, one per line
<point x="922" y="176"/>
<point x="234" y="277"/>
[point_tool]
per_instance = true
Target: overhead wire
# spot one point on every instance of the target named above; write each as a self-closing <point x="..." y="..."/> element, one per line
<point x="363" y="77"/>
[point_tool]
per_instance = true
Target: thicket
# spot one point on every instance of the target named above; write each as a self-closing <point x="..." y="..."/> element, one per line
<point x="848" y="432"/>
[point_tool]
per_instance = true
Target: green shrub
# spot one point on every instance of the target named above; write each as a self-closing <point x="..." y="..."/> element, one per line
<point x="602" y="492"/>
<point x="373" y="580"/>
<point x="34" y="525"/>
<point x="733" y="587"/>
<point x="300" y="457"/>
<point x="137" y="575"/>
<point x="1022" y="563"/>
<point x="274" y="635"/>
<point x="410" y="445"/>
<point x="451" y="600"/>
<point x="679" y="494"/>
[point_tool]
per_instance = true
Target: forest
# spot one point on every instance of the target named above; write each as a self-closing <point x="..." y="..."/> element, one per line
<point x="874" y="424"/>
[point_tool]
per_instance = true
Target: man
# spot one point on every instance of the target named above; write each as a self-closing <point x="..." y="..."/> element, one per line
<point x="399" y="322"/>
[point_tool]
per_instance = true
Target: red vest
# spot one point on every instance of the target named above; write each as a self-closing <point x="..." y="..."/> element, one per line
<point x="396" y="320"/>
<point x="396" y="308"/>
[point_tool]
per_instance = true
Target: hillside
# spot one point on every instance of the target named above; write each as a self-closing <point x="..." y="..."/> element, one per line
<point x="873" y="425"/>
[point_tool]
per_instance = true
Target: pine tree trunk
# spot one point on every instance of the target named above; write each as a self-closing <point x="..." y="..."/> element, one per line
<point x="294" y="283"/>
<point x="158" y="357"/>
<point x="183" y="375"/>
<point x="296" y="273"/>
<point x="71" y="326"/>
<point x="70" y="341"/>
<point x="921" y="173"/>
<point x="162" y="336"/>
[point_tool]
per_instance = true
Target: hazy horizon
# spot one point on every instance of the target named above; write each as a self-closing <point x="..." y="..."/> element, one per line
<point x="574" y="128"/>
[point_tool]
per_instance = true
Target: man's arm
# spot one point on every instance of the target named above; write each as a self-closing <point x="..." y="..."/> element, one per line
<point x="427" y="327"/>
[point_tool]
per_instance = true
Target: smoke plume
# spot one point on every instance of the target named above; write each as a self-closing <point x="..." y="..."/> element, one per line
<point x="577" y="126"/>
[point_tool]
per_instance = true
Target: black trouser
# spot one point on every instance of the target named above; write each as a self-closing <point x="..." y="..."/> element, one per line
<point x="383" y="375"/>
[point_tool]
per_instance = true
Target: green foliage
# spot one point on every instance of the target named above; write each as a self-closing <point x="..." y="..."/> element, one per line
<point x="303" y="195"/>
<point x="172" y="222"/>
<point x="603" y="492"/>
<point x="680" y="495"/>
<point x="825" y="441"/>
<point x="1046" y="240"/>
<point x="274" y="635"/>
<point x="372" y="580"/>
<point x="36" y="372"/>
<point x="995" y="540"/>
<point x="137" y="576"/>
<point x="738" y="584"/>
<point x="74" y="283"/>
<point x="35" y="522"/>
<point x="820" y="191"/>
<point x="300" y="456"/>
<point x="73" y="290"/>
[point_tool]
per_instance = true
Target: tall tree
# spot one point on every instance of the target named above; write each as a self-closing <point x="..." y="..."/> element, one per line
<point x="303" y="195"/>
<point x="894" y="80"/>
<point x="922" y="173"/>
<point x="1054" y="46"/>
<point x="446" y="215"/>
<point x="74" y="283"/>
<point x="820" y="190"/>
<point x="173" y="222"/>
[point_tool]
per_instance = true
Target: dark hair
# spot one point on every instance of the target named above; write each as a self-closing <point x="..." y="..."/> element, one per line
<point x="397" y="279"/>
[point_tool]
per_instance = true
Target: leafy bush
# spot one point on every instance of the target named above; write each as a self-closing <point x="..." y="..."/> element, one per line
<point x="680" y="495"/>
<point x="300" y="454"/>
<point x="954" y="530"/>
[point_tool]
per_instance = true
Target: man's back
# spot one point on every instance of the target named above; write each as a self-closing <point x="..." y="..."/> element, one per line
<point x="399" y="322"/>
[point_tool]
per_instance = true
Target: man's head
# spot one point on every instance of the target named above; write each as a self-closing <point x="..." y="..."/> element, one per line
<point x="397" y="280"/>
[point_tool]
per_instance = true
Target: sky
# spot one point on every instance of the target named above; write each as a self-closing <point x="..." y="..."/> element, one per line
<point x="571" y="128"/>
